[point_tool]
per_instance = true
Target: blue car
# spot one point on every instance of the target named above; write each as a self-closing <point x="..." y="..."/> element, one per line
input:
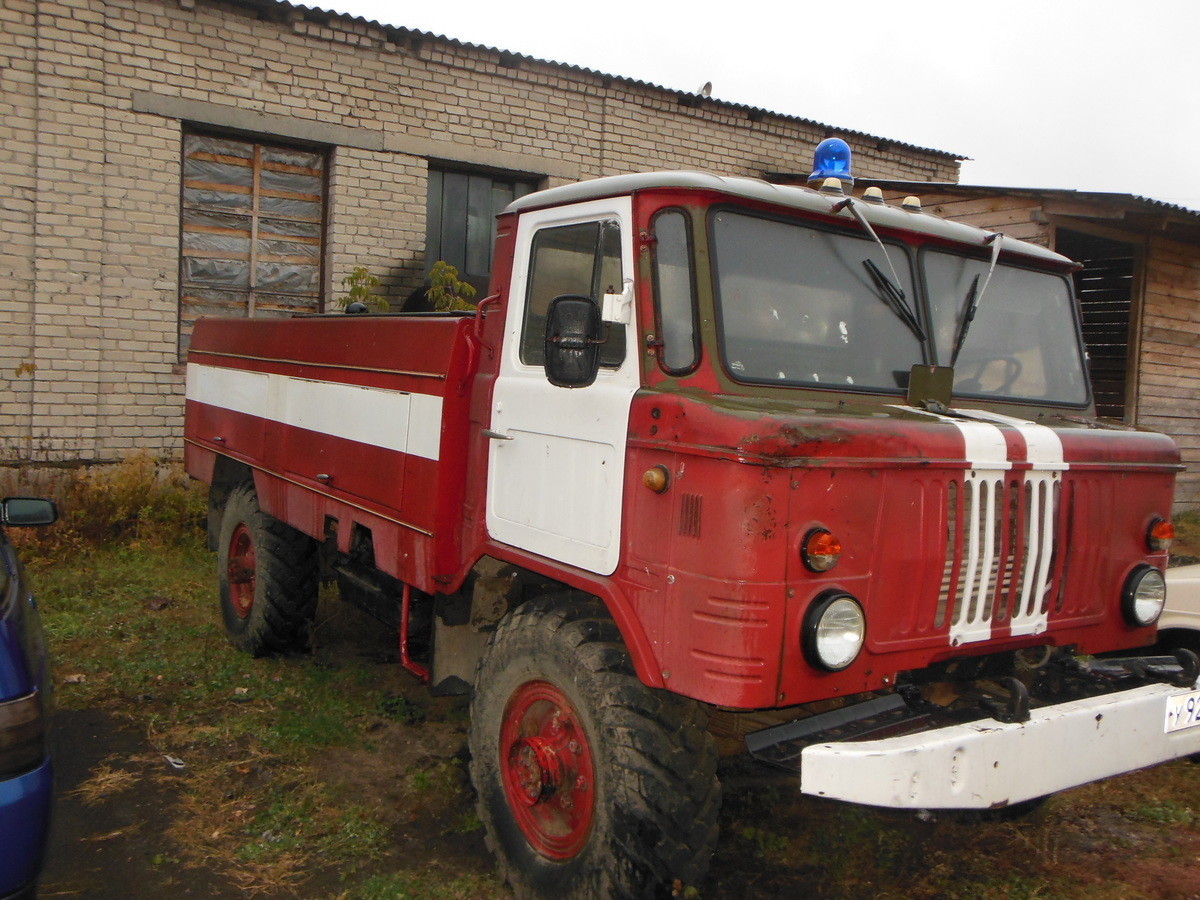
<point x="25" y="775"/>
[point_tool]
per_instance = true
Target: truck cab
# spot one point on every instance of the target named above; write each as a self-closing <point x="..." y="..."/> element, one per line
<point x="793" y="400"/>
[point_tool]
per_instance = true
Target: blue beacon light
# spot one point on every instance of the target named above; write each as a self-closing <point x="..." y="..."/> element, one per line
<point x="831" y="159"/>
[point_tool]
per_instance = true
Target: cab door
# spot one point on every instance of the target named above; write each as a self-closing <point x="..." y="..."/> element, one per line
<point x="557" y="461"/>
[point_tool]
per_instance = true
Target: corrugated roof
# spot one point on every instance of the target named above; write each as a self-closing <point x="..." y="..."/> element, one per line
<point x="740" y="107"/>
<point x="1091" y="196"/>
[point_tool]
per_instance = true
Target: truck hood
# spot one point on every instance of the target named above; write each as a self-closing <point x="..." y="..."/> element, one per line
<point x="771" y="433"/>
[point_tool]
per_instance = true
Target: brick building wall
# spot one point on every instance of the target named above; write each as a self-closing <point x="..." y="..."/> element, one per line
<point x="94" y="98"/>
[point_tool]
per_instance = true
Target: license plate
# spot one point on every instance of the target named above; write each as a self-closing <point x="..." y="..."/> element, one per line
<point x="1183" y="711"/>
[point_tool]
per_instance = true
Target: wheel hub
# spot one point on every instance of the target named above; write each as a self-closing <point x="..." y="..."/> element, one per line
<point x="547" y="770"/>
<point x="240" y="571"/>
<point x="537" y="769"/>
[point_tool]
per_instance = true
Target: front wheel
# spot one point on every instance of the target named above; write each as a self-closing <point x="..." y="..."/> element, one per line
<point x="590" y="784"/>
<point x="268" y="577"/>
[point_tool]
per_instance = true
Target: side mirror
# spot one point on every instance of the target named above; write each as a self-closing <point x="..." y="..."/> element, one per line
<point x="574" y="334"/>
<point x="21" y="511"/>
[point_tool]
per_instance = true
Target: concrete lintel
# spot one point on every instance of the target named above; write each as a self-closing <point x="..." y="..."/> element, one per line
<point x="206" y="113"/>
<point x="468" y="154"/>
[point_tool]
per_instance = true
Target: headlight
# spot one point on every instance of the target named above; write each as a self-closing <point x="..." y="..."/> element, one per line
<point x="1143" y="597"/>
<point x="834" y="629"/>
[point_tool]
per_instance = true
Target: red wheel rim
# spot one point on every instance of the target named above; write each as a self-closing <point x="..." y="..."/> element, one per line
<point x="239" y="571"/>
<point x="546" y="767"/>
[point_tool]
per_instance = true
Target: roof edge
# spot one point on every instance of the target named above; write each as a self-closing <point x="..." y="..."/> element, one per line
<point x="750" y="111"/>
<point x="1092" y="196"/>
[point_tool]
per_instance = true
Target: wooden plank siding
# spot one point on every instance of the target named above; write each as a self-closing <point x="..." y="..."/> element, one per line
<point x="1169" y="368"/>
<point x="1015" y="216"/>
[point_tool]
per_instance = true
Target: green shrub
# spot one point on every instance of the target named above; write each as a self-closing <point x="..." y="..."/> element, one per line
<point x="140" y="500"/>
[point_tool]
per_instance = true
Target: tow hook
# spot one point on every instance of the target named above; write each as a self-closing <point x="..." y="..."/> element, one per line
<point x="1015" y="708"/>
<point x="1189" y="664"/>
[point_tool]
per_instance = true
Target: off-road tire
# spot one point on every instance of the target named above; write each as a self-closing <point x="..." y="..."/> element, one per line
<point x="655" y="795"/>
<point x="267" y="573"/>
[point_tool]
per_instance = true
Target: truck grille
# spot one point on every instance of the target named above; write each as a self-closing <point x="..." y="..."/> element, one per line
<point x="1000" y="541"/>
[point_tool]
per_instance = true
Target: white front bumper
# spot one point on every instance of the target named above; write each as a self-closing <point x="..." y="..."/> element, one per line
<point x="989" y="764"/>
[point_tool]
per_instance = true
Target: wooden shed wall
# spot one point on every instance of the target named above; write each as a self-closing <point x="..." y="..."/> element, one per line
<point x="1014" y="216"/>
<point x="1168" y="397"/>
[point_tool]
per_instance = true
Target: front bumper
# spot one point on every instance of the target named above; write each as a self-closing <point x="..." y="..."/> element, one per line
<point x="24" y="822"/>
<point x="988" y="764"/>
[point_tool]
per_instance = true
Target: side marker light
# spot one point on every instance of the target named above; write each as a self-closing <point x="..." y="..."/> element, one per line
<point x="820" y="550"/>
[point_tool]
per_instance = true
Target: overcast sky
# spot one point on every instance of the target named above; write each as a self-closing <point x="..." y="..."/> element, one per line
<point x="1094" y="95"/>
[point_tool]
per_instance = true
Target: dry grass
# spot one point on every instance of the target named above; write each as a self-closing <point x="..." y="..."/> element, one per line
<point x="141" y="500"/>
<point x="105" y="782"/>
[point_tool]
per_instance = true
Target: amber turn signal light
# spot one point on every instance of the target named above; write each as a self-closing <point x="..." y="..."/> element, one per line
<point x="820" y="550"/>
<point x="656" y="479"/>
<point x="1159" y="535"/>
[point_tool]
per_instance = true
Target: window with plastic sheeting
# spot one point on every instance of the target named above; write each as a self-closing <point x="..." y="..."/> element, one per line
<point x="252" y="229"/>
<point x="461" y="212"/>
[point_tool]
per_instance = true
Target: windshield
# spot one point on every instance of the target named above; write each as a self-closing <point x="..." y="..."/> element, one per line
<point x="1022" y="342"/>
<point x="797" y="305"/>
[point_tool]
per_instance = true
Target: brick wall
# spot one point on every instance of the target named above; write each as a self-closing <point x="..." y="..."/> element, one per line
<point x="93" y="97"/>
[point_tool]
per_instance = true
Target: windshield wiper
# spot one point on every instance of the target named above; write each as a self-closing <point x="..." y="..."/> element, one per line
<point x="969" y="309"/>
<point x="889" y="288"/>
<point x="893" y="296"/>
<point x="973" y="297"/>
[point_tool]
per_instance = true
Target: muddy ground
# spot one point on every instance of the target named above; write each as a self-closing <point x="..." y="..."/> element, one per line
<point x="1133" y="837"/>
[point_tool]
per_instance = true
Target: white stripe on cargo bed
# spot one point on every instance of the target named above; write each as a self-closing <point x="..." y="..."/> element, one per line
<point x="394" y="420"/>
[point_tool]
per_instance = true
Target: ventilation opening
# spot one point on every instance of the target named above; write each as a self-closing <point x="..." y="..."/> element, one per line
<point x="1105" y="289"/>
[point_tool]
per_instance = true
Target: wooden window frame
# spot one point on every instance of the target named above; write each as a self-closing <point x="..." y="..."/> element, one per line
<point x="255" y="216"/>
<point x="473" y="206"/>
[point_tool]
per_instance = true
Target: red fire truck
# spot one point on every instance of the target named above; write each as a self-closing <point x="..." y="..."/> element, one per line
<point x="716" y="461"/>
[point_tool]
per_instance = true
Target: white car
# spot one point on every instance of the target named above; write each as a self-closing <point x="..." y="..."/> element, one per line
<point x="1179" y="625"/>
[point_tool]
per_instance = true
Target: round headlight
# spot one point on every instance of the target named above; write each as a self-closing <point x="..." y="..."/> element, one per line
<point x="1144" y="595"/>
<point x="834" y="629"/>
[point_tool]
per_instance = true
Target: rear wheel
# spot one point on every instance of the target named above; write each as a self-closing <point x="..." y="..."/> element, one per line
<point x="590" y="784"/>
<point x="268" y="578"/>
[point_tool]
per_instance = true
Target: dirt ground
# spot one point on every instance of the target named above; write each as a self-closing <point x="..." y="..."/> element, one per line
<point x="122" y="847"/>
<point x="1133" y="837"/>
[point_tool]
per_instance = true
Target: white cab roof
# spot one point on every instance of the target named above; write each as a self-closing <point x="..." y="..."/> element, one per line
<point x="800" y="198"/>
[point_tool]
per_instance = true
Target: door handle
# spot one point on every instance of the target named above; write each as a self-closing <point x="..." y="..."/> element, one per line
<point x="495" y="435"/>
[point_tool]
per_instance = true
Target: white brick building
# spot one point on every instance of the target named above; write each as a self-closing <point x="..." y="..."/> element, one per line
<point x="161" y="159"/>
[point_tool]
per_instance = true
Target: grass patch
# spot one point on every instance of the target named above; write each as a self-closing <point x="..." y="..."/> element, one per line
<point x="1163" y="812"/>
<point x="1187" y="533"/>
<point x="135" y="631"/>
<point x="426" y="884"/>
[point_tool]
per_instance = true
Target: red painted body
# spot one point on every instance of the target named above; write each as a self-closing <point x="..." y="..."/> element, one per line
<point x="710" y="591"/>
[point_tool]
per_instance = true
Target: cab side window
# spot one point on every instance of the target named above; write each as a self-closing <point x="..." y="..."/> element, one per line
<point x="675" y="292"/>
<point x="572" y="259"/>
